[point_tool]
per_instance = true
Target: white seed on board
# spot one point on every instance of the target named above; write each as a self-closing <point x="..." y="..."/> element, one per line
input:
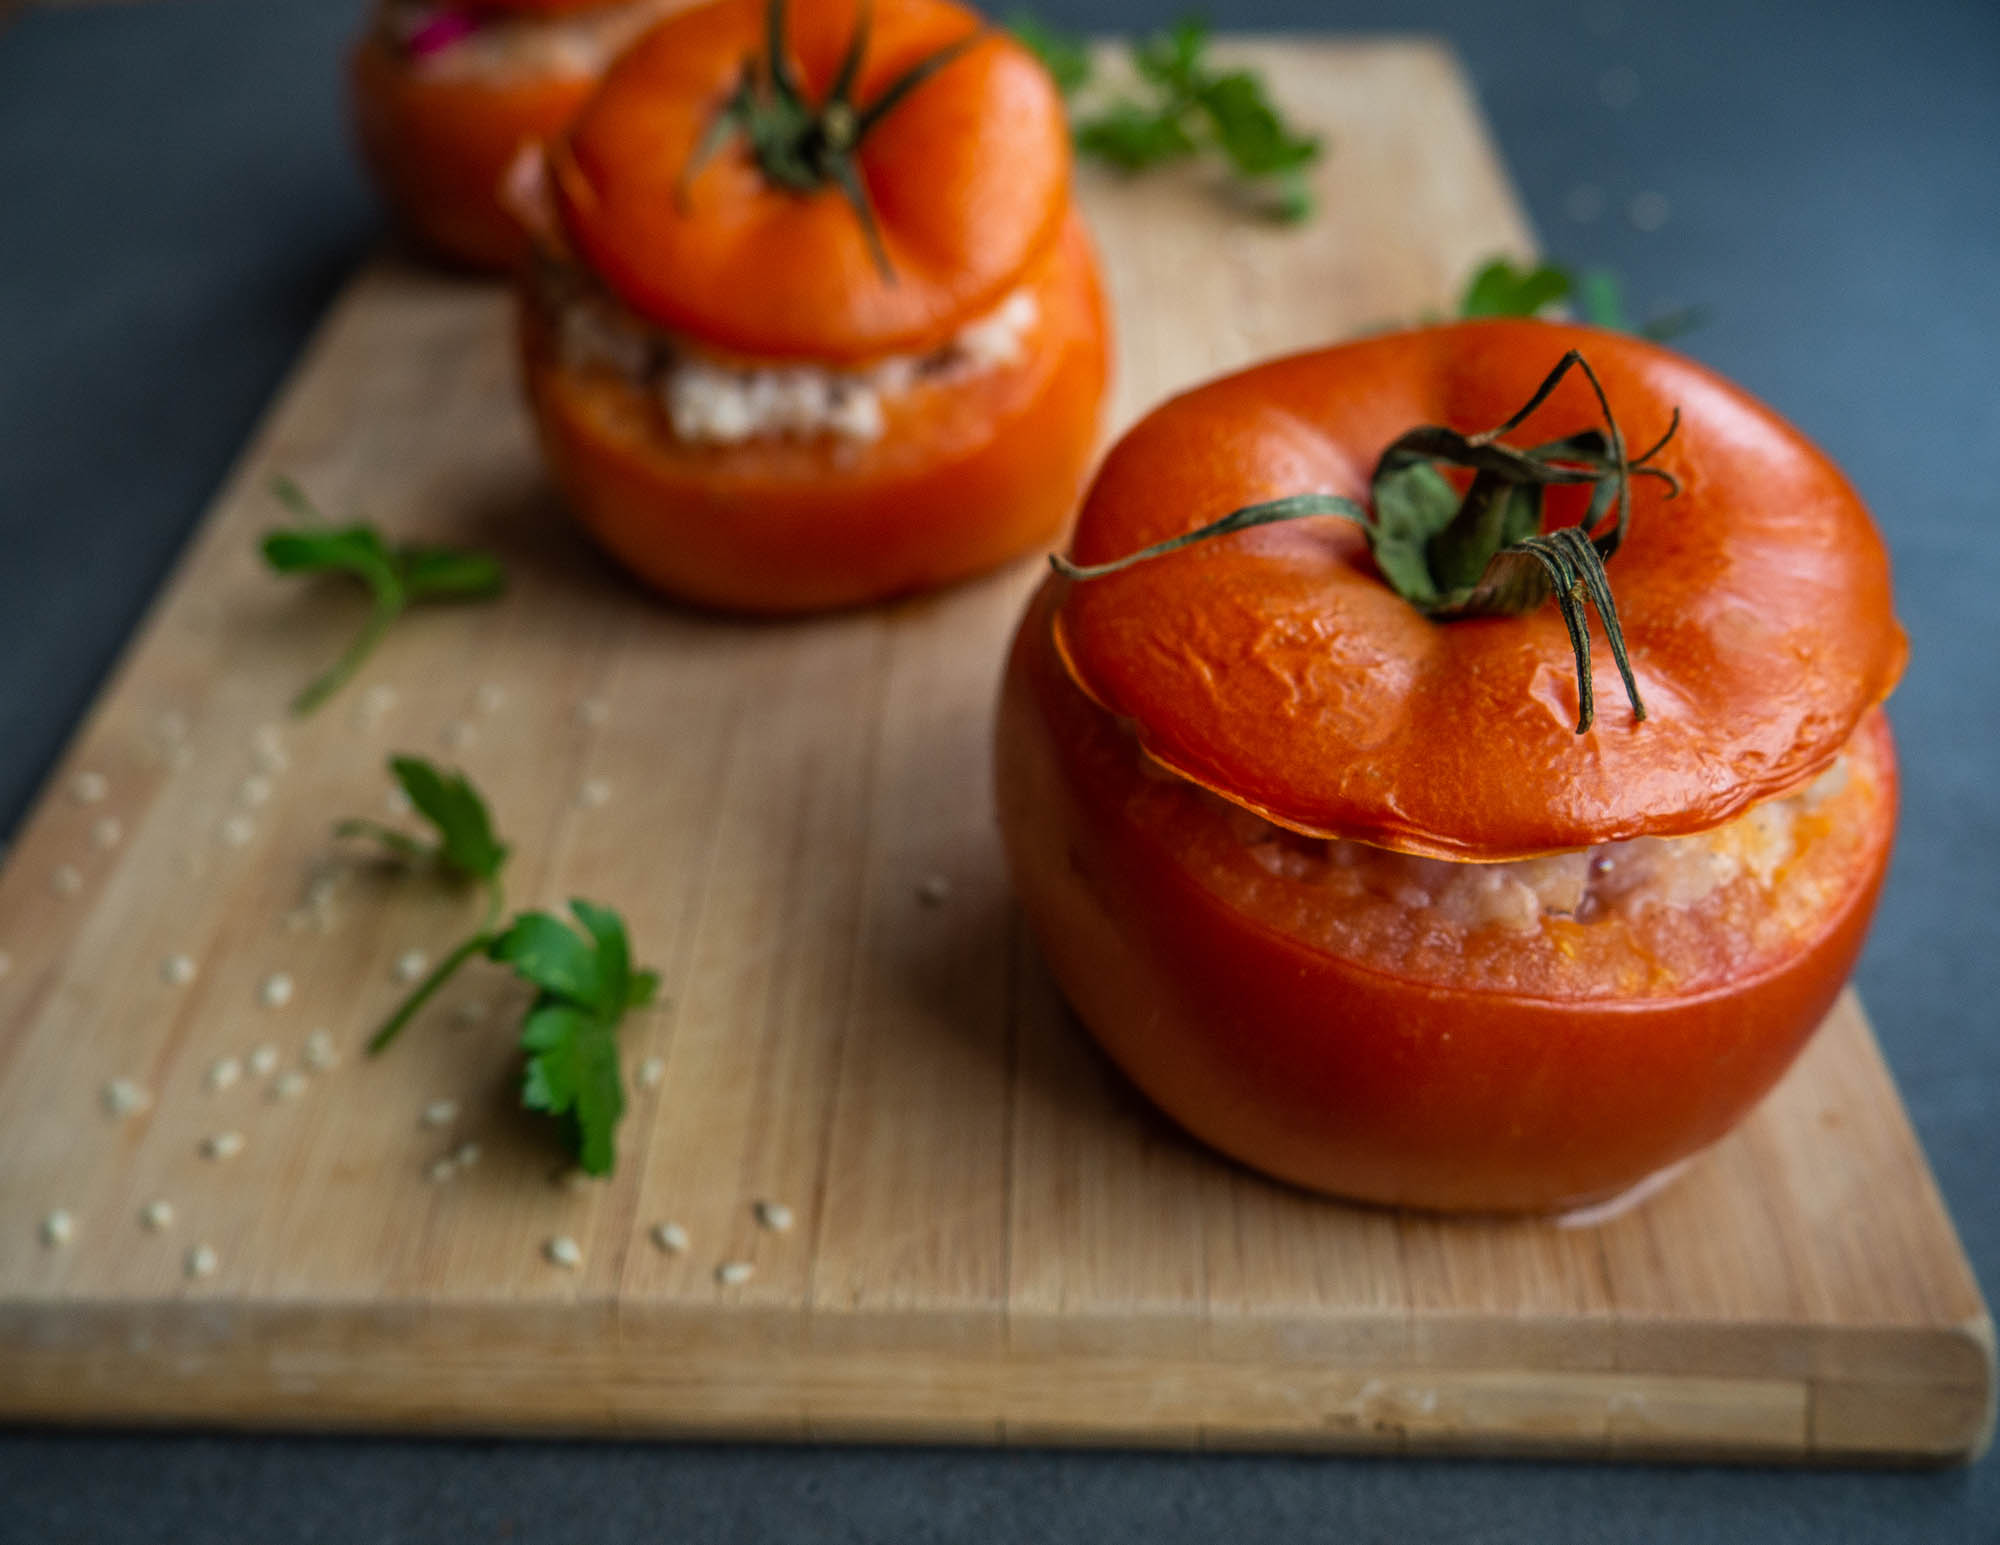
<point x="564" y="1252"/>
<point x="275" y="991"/>
<point x="457" y="734"/>
<point x="222" y="1073"/>
<point x="1648" y="211"/>
<point x="471" y="1012"/>
<point x="411" y="965"/>
<point x="490" y="698"/>
<point x="440" y="1113"/>
<point x="734" y="1273"/>
<point x="158" y="1216"/>
<point x="267" y="748"/>
<point x="105" y="833"/>
<point x="670" y="1237"/>
<point x="66" y="881"/>
<point x="253" y="791"/>
<point x="289" y="1085"/>
<point x="594" y="794"/>
<point x="465" y="1155"/>
<point x="373" y="704"/>
<point x="264" y="1060"/>
<point x="57" y="1228"/>
<point x="222" y="1145"/>
<point x="935" y="890"/>
<point x="177" y="970"/>
<point x="122" y="1097"/>
<point x="239" y="831"/>
<point x="170" y="727"/>
<point x="775" y="1216"/>
<point x="320" y="1052"/>
<point x="88" y="788"/>
<point x="202" y="1262"/>
<point x="442" y="1170"/>
<point x="652" y="1072"/>
<point x="593" y="711"/>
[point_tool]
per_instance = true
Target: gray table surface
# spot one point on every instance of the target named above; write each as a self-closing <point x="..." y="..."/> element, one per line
<point x="177" y="206"/>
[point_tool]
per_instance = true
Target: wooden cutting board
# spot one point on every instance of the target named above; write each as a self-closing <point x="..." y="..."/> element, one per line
<point x="994" y="1240"/>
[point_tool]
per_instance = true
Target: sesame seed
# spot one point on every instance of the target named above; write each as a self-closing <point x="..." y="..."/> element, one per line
<point x="66" y="881"/>
<point x="652" y="1072"/>
<point x="457" y="734"/>
<point x="264" y="1060"/>
<point x="734" y="1273"/>
<point x="379" y="698"/>
<point x="201" y="1261"/>
<point x="253" y="791"/>
<point x="105" y="833"/>
<point x="320" y="1053"/>
<point x="571" y="1178"/>
<point x="935" y="891"/>
<point x="775" y="1216"/>
<point x="466" y="1155"/>
<point x="87" y="788"/>
<point x="593" y="711"/>
<point x="471" y="1012"/>
<point x="411" y="965"/>
<point x="122" y="1097"/>
<point x="222" y="1145"/>
<point x="670" y="1237"/>
<point x="440" y="1113"/>
<point x="177" y="970"/>
<point x="594" y="794"/>
<point x="563" y="1251"/>
<point x="157" y="1216"/>
<point x="441" y="1170"/>
<point x="490" y="698"/>
<point x="57" y="1228"/>
<point x="1648" y="211"/>
<point x="171" y="726"/>
<point x="238" y="831"/>
<point x="275" y="991"/>
<point x="289" y="1085"/>
<point x="223" y="1072"/>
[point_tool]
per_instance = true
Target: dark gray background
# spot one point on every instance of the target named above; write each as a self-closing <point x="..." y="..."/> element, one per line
<point x="176" y="207"/>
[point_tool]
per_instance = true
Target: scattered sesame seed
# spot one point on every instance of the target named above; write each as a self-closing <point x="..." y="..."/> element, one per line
<point x="66" y="881"/>
<point x="734" y="1273"/>
<point x="466" y="1155"/>
<point x="593" y="711"/>
<point x="264" y="1060"/>
<point x="399" y="801"/>
<point x="490" y="698"/>
<point x="670" y="1237"/>
<point x="321" y="1053"/>
<point x="594" y="794"/>
<point x="935" y="891"/>
<point x="1584" y="203"/>
<point x="775" y="1216"/>
<point x="223" y="1072"/>
<point x="222" y="1145"/>
<point x="87" y="788"/>
<point x="289" y="1085"/>
<point x="238" y="831"/>
<point x="379" y="698"/>
<point x="457" y="734"/>
<point x="563" y="1251"/>
<point x="1648" y="211"/>
<point x="253" y="791"/>
<point x="652" y="1072"/>
<point x="201" y="1261"/>
<point x="411" y="965"/>
<point x="440" y="1113"/>
<point x="177" y="970"/>
<point x="275" y="991"/>
<point x="157" y="1216"/>
<point x="571" y="1178"/>
<point x="57" y="1228"/>
<point x="471" y="1012"/>
<point x="442" y="1170"/>
<point x="105" y="833"/>
<point x="122" y="1097"/>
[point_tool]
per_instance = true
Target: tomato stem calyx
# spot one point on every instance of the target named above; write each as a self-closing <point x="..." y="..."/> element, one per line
<point x="1482" y="553"/>
<point x="803" y="148"/>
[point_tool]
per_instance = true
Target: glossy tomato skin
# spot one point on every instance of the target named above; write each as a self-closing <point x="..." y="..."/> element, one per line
<point x="1347" y="1078"/>
<point x="440" y="146"/>
<point x="965" y="477"/>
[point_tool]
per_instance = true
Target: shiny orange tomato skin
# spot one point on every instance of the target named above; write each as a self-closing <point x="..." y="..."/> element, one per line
<point x="1346" y="1078"/>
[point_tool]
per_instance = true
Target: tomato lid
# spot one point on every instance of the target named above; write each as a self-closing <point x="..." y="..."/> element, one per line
<point x="1277" y="668"/>
<point x="965" y="178"/>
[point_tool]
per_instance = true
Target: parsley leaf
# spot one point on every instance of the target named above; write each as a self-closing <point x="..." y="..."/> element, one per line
<point x="1500" y="289"/>
<point x="396" y="578"/>
<point x="585" y="985"/>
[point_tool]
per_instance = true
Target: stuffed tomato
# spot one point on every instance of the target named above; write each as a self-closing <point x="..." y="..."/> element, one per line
<point x="1347" y="843"/>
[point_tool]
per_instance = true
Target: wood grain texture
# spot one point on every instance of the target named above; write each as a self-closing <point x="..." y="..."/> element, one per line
<point x="995" y="1241"/>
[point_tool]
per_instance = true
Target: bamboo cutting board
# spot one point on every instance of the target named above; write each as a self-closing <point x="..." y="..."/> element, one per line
<point x="992" y="1239"/>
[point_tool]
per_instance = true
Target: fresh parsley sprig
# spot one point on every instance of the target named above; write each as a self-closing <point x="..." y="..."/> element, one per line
<point x="1503" y="289"/>
<point x="397" y="578"/>
<point x="584" y="981"/>
<point x="1184" y="106"/>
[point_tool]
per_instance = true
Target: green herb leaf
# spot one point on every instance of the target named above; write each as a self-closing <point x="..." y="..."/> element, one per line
<point x="395" y="577"/>
<point x="1064" y="55"/>
<point x="1500" y="289"/>
<point x="466" y="844"/>
<point x="1133" y="137"/>
<point x="1248" y="128"/>
<point x="549" y="953"/>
